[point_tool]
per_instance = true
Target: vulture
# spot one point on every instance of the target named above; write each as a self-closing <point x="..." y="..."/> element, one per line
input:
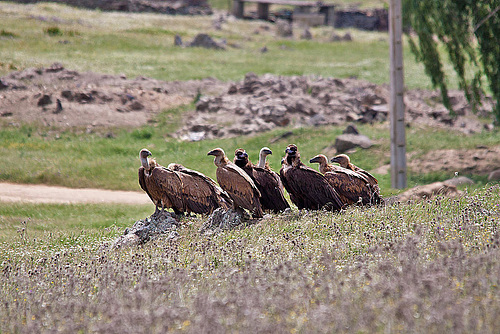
<point x="237" y="184"/>
<point x="161" y="184"/>
<point x="352" y="187"/>
<point x="200" y="193"/>
<point x="308" y="188"/>
<point x="268" y="182"/>
<point x="344" y="161"/>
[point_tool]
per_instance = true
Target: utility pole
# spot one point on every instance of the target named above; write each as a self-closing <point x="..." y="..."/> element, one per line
<point x="397" y="107"/>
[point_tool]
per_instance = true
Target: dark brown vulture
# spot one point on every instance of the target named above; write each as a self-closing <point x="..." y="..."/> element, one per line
<point x="308" y="188"/>
<point x="268" y="182"/>
<point x="161" y="184"/>
<point x="344" y="161"/>
<point x="237" y="184"/>
<point x="200" y="193"/>
<point x="352" y="187"/>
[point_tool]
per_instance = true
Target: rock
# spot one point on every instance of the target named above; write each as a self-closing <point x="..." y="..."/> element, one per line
<point x="335" y="38"/>
<point x="205" y="41"/>
<point x="221" y="220"/>
<point x="347" y="37"/>
<point x="306" y="34"/>
<point x="494" y="176"/>
<point x="346" y="142"/>
<point x="84" y="97"/>
<point x="144" y="230"/>
<point x="263" y="49"/>
<point x="55" y="67"/>
<point x="44" y="100"/>
<point x="136" y="106"/>
<point x="351" y="129"/>
<point x="284" y="28"/>
<point x="59" y="107"/>
<point x="428" y="191"/>
<point x="458" y="181"/>
<point x="3" y="85"/>
<point x="177" y="40"/>
<point x="67" y="94"/>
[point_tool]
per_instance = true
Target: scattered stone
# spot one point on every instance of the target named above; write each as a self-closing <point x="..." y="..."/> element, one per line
<point x="3" y="85"/>
<point x="136" y="106"/>
<point x="154" y="226"/>
<point x="335" y="38"/>
<point x="6" y="114"/>
<point x="55" y="67"/>
<point x="351" y="129"/>
<point x="205" y="41"/>
<point x="44" y="100"/>
<point x="177" y="40"/>
<point x="84" y="97"/>
<point x="458" y="181"/>
<point x="345" y="142"/>
<point x="221" y="220"/>
<point x="428" y="191"/>
<point x="59" y="107"/>
<point x="306" y="34"/>
<point x="264" y="49"/>
<point x="347" y="37"/>
<point x="67" y="94"/>
<point x="284" y="28"/>
<point x="494" y="176"/>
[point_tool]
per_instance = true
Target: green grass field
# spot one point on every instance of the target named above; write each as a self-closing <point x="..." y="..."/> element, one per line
<point x="142" y="44"/>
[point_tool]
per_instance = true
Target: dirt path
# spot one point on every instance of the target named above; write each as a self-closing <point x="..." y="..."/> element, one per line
<point x="10" y="192"/>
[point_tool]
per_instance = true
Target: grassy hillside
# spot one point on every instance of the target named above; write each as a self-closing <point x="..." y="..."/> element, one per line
<point x="428" y="267"/>
<point x="143" y="44"/>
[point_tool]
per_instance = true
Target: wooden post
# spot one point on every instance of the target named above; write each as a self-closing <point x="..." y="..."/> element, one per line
<point x="238" y="8"/>
<point x="263" y="11"/>
<point x="397" y="107"/>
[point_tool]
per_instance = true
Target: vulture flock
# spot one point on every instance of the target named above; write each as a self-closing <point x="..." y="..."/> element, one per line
<point x="256" y="188"/>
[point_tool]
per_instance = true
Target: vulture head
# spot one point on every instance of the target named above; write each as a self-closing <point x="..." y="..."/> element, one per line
<point x="342" y="159"/>
<point x="322" y="160"/>
<point x="143" y="155"/>
<point x="264" y="152"/>
<point x="220" y="156"/>
<point x="240" y="157"/>
<point x="292" y="154"/>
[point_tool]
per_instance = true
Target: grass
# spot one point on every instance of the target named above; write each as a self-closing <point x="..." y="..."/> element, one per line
<point x="142" y="44"/>
<point x="34" y="154"/>
<point x="431" y="266"/>
<point x="42" y="220"/>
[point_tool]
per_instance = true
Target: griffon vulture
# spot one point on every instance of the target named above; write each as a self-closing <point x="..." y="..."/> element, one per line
<point x="352" y="187"/>
<point x="161" y="184"/>
<point x="267" y="181"/>
<point x="344" y="161"/>
<point x="307" y="188"/>
<point x="200" y="193"/>
<point x="237" y="184"/>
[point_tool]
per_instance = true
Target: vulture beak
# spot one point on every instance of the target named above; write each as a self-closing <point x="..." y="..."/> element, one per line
<point x="213" y="152"/>
<point x="290" y="152"/>
<point x="245" y="154"/>
<point x="335" y="159"/>
<point x="269" y="152"/>
<point x="314" y="160"/>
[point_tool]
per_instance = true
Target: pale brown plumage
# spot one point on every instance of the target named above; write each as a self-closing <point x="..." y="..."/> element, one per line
<point x="344" y="161"/>
<point x="268" y="182"/>
<point x="200" y="193"/>
<point x="237" y="184"/>
<point x="352" y="187"/>
<point x="160" y="183"/>
<point x="307" y="188"/>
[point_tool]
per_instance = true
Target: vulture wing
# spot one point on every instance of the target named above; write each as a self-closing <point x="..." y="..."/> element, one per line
<point x="271" y="189"/>
<point x="310" y="188"/>
<point x="142" y="183"/>
<point x="167" y="185"/>
<point x="240" y="188"/>
<point x="350" y="186"/>
<point x="201" y="193"/>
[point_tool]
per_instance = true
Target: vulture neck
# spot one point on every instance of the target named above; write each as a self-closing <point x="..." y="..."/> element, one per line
<point x="262" y="160"/>
<point x="221" y="161"/>
<point x="145" y="163"/>
<point x="293" y="161"/>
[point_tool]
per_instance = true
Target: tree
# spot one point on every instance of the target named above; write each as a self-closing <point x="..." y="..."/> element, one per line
<point x="469" y="30"/>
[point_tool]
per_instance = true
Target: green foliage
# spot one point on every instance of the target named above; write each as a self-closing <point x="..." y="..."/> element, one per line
<point x="53" y="31"/>
<point x="470" y="33"/>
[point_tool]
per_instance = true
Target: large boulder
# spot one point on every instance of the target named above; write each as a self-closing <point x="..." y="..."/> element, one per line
<point x="348" y="141"/>
<point x="494" y="176"/>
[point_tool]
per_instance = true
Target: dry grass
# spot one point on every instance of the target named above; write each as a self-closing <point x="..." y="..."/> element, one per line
<point x="427" y="267"/>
